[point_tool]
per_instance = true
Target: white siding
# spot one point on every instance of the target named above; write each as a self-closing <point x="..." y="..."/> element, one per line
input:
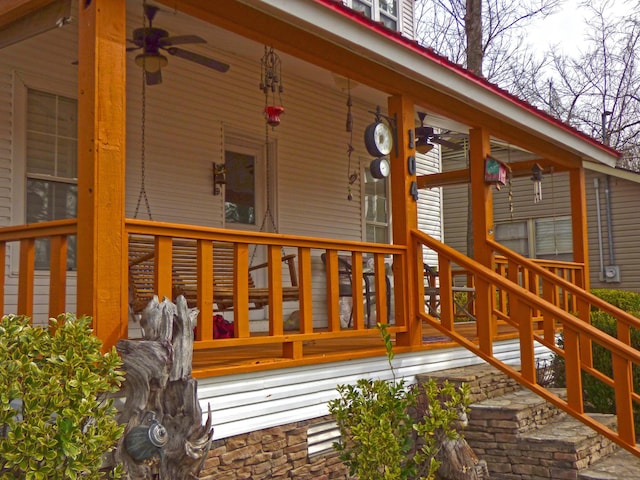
<point x="249" y="402"/>
<point x="429" y="202"/>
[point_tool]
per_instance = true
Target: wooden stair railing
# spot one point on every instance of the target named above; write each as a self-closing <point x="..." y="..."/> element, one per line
<point x="523" y="306"/>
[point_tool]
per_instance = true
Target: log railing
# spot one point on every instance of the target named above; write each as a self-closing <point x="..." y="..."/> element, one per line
<point x="528" y="304"/>
<point x="24" y="237"/>
<point x="368" y="267"/>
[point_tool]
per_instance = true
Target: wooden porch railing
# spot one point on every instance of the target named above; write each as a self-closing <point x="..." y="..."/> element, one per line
<point x="165" y="237"/>
<point x="25" y="236"/>
<point x="544" y="296"/>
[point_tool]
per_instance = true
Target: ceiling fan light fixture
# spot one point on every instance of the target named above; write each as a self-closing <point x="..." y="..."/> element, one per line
<point x="423" y="146"/>
<point x="151" y="62"/>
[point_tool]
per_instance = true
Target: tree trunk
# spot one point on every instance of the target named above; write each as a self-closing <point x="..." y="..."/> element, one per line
<point x="164" y="438"/>
<point x="473" y="30"/>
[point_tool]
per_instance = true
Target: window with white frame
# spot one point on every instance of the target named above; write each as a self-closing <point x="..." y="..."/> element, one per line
<point x="51" y="165"/>
<point x="547" y="238"/>
<point x="376" y="206"/>
<point x="385" y="11"/>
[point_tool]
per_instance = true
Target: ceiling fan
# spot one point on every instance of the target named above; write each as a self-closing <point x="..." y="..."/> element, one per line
<point x="154" y="40"/>
<point x="426" y="137"/>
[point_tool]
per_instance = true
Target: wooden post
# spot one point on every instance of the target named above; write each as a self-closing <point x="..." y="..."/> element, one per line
<point x="405" y="218"/>
<point x="581" y="251"/>
<point x="102" y="266"/>
<point x="482" y="216"/>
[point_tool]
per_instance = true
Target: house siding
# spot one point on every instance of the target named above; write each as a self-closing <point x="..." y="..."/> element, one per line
<point x="625" y="217"/>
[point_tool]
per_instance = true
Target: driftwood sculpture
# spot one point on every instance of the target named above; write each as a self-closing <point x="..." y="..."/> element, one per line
<point x="164" y="437"/>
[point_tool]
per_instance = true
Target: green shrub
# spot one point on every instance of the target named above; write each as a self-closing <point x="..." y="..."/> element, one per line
<point x="56" y="421"/>
<point x="381" y="439"/>
<point x="627" y="301"/>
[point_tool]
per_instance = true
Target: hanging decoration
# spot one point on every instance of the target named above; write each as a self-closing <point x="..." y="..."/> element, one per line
<point x="537" y="183"/>
<point x="510" y="182"/>
<point x="142" y="195"/>
<point x="380" y="138"/>
<point x="352" y="176"/>
<point x="271" y="85"/>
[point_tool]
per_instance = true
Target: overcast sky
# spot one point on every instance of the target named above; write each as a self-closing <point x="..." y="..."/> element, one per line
<point x="567" y="27"/>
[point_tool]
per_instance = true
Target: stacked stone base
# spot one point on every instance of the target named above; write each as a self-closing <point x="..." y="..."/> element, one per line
<point x="280" y="452"/>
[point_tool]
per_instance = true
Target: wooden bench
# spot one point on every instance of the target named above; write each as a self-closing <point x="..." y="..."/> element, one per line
<point x="184" y="268"/>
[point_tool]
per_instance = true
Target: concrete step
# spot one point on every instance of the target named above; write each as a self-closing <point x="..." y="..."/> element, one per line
<point x="621" y="465"/>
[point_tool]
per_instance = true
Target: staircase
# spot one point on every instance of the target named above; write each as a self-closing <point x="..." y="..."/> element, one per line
<point x="523" y="437"/>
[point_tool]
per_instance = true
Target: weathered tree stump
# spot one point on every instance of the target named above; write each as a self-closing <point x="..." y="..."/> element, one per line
<point x="164" y="438"/>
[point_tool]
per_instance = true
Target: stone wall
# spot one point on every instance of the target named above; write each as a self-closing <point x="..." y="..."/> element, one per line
<point x="279" y="452"/>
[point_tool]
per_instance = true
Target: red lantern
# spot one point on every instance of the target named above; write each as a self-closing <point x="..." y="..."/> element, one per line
<point x="273" y="113"/>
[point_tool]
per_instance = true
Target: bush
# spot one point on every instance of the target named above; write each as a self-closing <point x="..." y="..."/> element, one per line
<point x="599" y="397"/>
<point x="380" y="437"/>
<point x="56" y="421"/>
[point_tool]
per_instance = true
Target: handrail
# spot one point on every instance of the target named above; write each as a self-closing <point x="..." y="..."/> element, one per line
<point x="57" y="231"/>
<point x="578" y="336"/>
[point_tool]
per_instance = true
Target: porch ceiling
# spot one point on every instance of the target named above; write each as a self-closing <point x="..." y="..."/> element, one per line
<point x="323" y="36"/>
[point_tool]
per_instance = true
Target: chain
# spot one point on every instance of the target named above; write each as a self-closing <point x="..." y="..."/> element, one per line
<point x="351" y="177"/>
<point x="510" y="180"/>
<point x="143" y="120"/>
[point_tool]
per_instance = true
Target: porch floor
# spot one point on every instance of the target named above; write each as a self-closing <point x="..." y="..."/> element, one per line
<point x="242" y="359"/>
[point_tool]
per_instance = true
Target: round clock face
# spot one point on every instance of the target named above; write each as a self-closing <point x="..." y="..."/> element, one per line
<point x="380" y="168"/>
<point x="378" y="139"/>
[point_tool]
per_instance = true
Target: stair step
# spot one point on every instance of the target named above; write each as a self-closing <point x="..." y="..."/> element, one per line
<point x="569" y="443"/>
<point x="513" y="413"/>
<point x="622" y="465"/>
<point x="484" y="380"/>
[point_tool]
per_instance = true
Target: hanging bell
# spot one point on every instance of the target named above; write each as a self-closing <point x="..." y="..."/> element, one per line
<point x="146" y="440"/>
<point x="273" y="113"/>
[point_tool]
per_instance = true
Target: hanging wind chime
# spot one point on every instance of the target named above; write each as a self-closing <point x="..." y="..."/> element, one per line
<point x="536" y="178"/>
<point x="271" y="85"/>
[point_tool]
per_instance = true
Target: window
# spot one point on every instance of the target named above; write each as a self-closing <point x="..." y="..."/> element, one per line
<point x="51" y="166"/>
<point x="376" y="204"/>
<point x="547" y="238"/>
<point x="385" y="11"/>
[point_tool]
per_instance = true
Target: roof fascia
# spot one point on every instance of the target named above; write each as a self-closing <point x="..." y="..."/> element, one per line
<point x="614" y="172"/>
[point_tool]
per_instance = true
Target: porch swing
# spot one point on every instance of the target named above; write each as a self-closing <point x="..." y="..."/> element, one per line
<point x="185" y="260"/>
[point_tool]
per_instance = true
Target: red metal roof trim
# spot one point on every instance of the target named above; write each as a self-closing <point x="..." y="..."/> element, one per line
<point x="429" y="53"/>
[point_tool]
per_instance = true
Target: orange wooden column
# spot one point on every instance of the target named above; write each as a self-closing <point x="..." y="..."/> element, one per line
<point x="404" y="211"/>
<point x="482" y="216"/>
<point x="579" y="233"/>
<point x="102" y="267"/>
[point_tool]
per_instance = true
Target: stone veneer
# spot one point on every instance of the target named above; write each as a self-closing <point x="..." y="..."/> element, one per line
<point x="278" y="452"/>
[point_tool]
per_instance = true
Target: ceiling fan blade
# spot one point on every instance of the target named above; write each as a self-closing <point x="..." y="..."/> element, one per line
<point x="131" y="49"/>
<point x="445" y="143"/>
<point x="197" y="58"/>
<point x="181" y="40"/>
<point x="153" y="78"/>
